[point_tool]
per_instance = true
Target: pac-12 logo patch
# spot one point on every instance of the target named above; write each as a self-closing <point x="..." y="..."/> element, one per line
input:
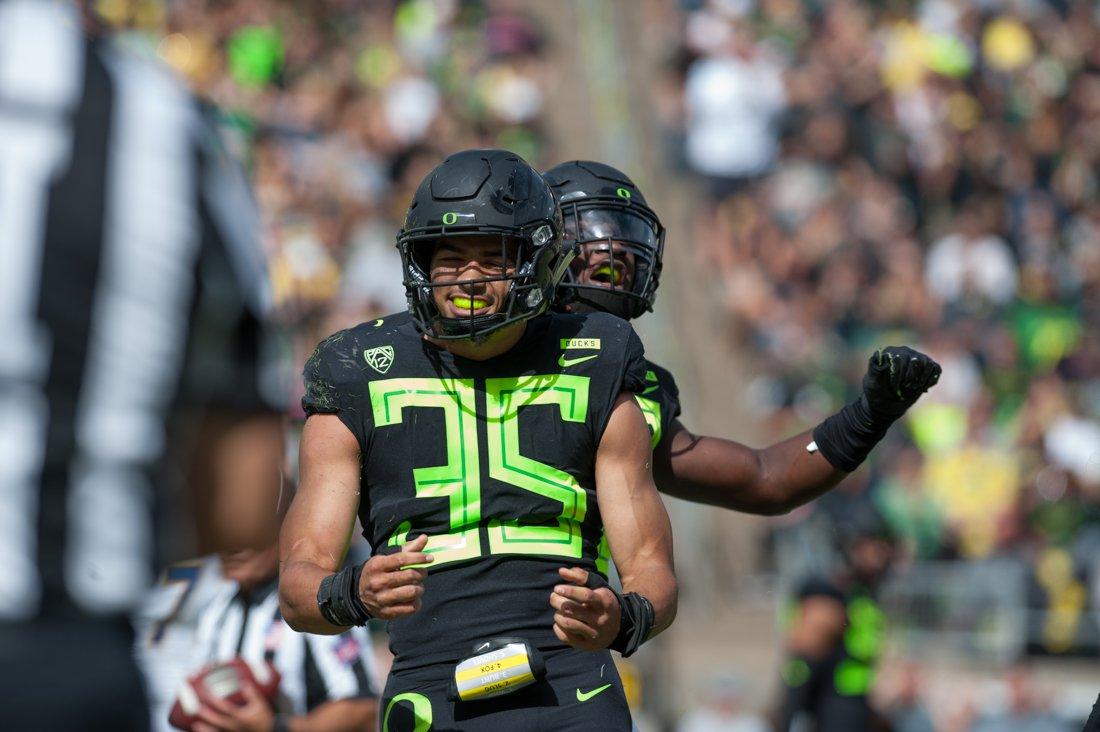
<point x="379" y="358"/>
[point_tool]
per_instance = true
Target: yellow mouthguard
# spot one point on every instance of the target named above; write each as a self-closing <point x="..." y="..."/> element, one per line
<point x="465" y="303"/>
<point x="607" y="269"/>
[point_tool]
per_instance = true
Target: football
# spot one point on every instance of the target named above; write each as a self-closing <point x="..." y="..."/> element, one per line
<point x="223" y="681"/>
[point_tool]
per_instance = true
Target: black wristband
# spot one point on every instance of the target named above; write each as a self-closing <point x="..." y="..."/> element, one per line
<point x="636" y="622"/>
<point x="636" y="616"/>
<point x="847" y="437"/>
<point x="338" y="598"/>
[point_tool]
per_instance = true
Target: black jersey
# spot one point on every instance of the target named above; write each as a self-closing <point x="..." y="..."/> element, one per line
<point x="660" y="402"/>
<point x="494" y="460"/>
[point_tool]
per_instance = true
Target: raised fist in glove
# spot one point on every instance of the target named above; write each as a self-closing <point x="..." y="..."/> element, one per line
<point x="896" y="377"/>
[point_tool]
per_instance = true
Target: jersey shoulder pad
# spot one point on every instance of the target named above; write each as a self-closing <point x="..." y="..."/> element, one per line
<point x="620" y="348"/>
<point x="610" y="335"/>
<point x="662" y="378"/>
<point x="386" y="325"/>
<point x="331" y="368"/>
<point x="337" y="373"/>
<point x="593" y="325"/>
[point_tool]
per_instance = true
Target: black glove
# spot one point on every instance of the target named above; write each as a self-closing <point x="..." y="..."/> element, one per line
<point x="896" y="377"/>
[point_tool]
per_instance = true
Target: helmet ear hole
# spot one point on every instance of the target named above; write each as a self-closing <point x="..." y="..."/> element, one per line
<point x="420" y="255"/>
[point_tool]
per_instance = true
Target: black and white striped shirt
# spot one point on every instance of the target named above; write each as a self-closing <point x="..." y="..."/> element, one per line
<point x="127" y="250"/>
<point x="314" y="669"/>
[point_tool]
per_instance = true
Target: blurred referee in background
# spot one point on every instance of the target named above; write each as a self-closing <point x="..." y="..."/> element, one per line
<point x="327" y="682"/>
<point x="131" y="294"/>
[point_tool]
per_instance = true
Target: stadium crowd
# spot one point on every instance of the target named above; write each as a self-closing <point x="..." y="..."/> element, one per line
<point x="339" y="109"/>
<point x="921" y="169"/>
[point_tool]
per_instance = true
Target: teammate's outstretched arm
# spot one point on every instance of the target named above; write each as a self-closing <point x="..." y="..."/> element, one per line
<point x="640" y="537"/>
<point x="315" y="538"/>
<point x="776" y="479"/>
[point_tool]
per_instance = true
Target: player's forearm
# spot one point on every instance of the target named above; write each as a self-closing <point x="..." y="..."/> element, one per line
<point x="640" y="538"/>
<point x="299" y="581"/>
<point x="791" y="475"/>
<point x="727" y="474"/>
<point x="342" y="715"/>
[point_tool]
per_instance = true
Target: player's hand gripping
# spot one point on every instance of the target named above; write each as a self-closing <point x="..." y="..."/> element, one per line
<point x="895" y="379"/>
<point x="389" y="587"/>
<point x="584" y="618"/>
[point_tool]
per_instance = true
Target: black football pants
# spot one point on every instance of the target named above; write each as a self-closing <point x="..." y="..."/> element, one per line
<point x="581" y="691"/>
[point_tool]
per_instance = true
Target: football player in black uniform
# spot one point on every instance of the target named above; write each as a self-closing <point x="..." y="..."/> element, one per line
<point x="617" y="271"/>
<point x="836" y="633"/>
<point x="621" y="243"/>
<point x="478" y="428"/>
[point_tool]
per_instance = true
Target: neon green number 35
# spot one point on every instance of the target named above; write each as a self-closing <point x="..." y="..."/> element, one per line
<point x="459" y="480"/>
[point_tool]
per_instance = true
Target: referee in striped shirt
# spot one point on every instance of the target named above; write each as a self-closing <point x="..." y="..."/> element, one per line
<point x="327" y="682"/>
<point x="131" y="296"/>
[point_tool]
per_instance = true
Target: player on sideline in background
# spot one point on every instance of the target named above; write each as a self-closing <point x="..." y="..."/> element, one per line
<point x="617" y="271"/>
<point x="836" y="634"/>
<point x="500" y="453"/>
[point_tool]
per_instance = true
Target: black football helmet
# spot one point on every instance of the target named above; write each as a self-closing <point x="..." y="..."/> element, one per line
<point x="605" y="214"/>
<point x="474" y="193"/>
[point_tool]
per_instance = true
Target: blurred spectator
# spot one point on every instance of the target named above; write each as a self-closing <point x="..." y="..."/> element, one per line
<point x="732" y="99"/>
<point x="971" y="261"/>
<point x="1024" y="710"/>
<point x="906" y="711"/>
<point x="908" y="510"/>
<point x="722" y="709"/>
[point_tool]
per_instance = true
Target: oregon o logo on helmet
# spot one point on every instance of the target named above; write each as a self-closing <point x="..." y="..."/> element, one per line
<point x="622" y="193"/>
<point x="450" y="218"/>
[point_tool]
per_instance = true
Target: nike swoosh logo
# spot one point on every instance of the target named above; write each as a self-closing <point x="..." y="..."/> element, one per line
<point x="583" y="696"/>
<point x="378" y="322"/>
<point x="651" y="389"/>
<point x="566" y="362"/>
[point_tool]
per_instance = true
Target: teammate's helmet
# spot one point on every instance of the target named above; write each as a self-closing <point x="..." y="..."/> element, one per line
<point x="474" y="193"/>
<point x="601" y="205"/>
